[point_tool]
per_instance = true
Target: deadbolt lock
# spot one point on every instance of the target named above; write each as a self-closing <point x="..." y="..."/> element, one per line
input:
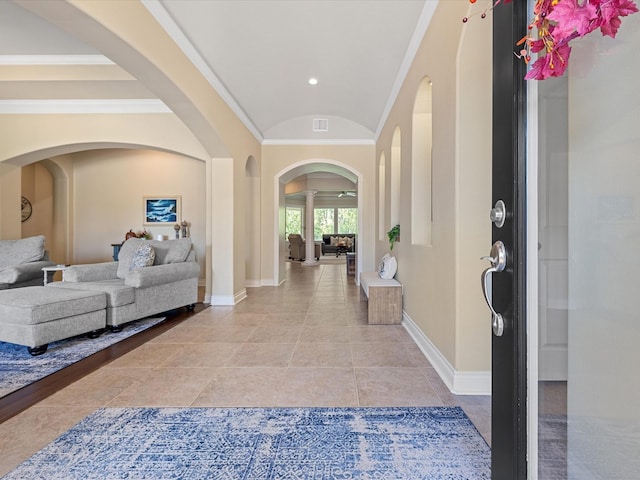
<point x="498" y="214"/>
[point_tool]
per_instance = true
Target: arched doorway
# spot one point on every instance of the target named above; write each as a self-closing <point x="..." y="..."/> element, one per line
<point x="46" y="185"/>
<point x="308" y="176"/>
<point x="91" y="204"/>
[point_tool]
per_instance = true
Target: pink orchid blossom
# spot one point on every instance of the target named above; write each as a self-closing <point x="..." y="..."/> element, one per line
<point x="557" y="22"/>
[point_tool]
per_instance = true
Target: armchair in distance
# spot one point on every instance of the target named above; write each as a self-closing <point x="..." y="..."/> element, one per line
<point x="297" y="247"/>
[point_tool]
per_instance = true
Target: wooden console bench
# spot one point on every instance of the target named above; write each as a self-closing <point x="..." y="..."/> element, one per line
<point x="384" y="298"/>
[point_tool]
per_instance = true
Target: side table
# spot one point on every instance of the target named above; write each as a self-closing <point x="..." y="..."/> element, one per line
<point x="351" y="264"/>
<point x="116" y="250"/>
<point x="56" y="268"/>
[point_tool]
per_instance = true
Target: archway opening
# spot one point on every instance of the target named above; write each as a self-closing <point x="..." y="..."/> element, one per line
<point x="336" y="197"/>
<point x="85" y="215"/>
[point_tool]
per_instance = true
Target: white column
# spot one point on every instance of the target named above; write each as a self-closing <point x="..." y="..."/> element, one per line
<point x="223" y="246"/>
<point x="310" y="255"/>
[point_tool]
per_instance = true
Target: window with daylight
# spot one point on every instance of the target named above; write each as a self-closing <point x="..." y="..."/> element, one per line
<point x="323" y="222"/>
<point x="293" y="221"/>
<point x="334" y="220"/>
<point x="347" y="220"/>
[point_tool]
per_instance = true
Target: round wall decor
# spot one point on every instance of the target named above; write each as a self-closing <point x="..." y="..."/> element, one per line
<point x="26" y="209"/>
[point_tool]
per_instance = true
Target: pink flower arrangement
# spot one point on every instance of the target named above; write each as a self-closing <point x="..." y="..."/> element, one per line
<point x="558" y="22"/>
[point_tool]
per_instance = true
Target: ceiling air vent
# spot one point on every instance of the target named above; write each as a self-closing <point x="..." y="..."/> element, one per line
<point x="320" y="125"/>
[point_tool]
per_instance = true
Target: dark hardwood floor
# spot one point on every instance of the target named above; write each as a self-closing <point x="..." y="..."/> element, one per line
<point x="20" y="400"/>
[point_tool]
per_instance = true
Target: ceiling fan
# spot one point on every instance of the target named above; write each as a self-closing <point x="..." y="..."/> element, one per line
<point x="347" y="194"/>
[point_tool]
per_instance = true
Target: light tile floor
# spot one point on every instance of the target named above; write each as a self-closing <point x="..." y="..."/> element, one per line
<point x="305" y="343"/>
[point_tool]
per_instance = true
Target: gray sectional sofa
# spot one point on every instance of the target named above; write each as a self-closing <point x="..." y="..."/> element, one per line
<point x="168" y="281"/>
<point x="21" y="262"/>
<point x="150" y="277"/>
<point x="36" y="316"/>
<point x="330" y="242"/>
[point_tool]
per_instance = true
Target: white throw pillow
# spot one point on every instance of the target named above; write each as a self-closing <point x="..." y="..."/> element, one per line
<point x="389" y="268"/>
<point x="142" y="257"/>
<point x="333" y="240"/>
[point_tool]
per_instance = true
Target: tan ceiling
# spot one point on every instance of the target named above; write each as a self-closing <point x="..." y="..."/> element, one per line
<point x="258" y="54"/>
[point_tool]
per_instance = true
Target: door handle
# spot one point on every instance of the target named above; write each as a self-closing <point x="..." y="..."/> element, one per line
<point x="498" y="260"/>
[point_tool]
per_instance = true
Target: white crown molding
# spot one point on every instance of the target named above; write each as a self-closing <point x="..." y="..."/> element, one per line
<point x="83" y="106"/>
<point x="165" y="20"/>
<point x="418" y="34"/>
<point x="25" y="60"/>
<point x="311" y="141"/>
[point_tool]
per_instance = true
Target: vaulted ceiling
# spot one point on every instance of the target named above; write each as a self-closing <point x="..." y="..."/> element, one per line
<point x="258" y="54"/>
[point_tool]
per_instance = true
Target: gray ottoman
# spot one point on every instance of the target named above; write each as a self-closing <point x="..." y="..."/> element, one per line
<point x="36" y="316"/>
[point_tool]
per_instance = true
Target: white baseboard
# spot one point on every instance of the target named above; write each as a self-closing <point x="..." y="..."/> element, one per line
<point x="240" y="296"/>
<point x="472" y="383"/>
<point x="221" y="300"/>
<point x="252" y="283"/>
<point x="459" y="382"/>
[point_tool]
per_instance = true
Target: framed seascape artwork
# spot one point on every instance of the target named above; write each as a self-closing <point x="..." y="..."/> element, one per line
<point x="161" y="210"/>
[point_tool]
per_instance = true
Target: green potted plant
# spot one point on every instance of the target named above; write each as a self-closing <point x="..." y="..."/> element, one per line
<point x="394" y="236"/>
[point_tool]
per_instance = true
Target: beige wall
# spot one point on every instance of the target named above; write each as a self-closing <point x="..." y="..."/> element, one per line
<point x="37" y="187"/>
<point x="441" y="282"/>
<point x="473" y="195"/>
<point x="108" y="198"/>
<point x="10" y="190"/>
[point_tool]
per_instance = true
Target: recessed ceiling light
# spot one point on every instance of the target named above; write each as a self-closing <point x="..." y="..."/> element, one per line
<point x="313" y="81"/>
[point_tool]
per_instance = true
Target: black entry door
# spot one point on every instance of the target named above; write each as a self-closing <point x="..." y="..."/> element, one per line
<point x="509" y="435"/>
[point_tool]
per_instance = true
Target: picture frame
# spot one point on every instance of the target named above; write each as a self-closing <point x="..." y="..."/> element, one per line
<point x="161" y="210"/>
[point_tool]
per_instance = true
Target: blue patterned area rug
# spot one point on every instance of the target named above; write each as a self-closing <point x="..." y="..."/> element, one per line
<point x="18" y="368"/>
<point x="434" y="443"/>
